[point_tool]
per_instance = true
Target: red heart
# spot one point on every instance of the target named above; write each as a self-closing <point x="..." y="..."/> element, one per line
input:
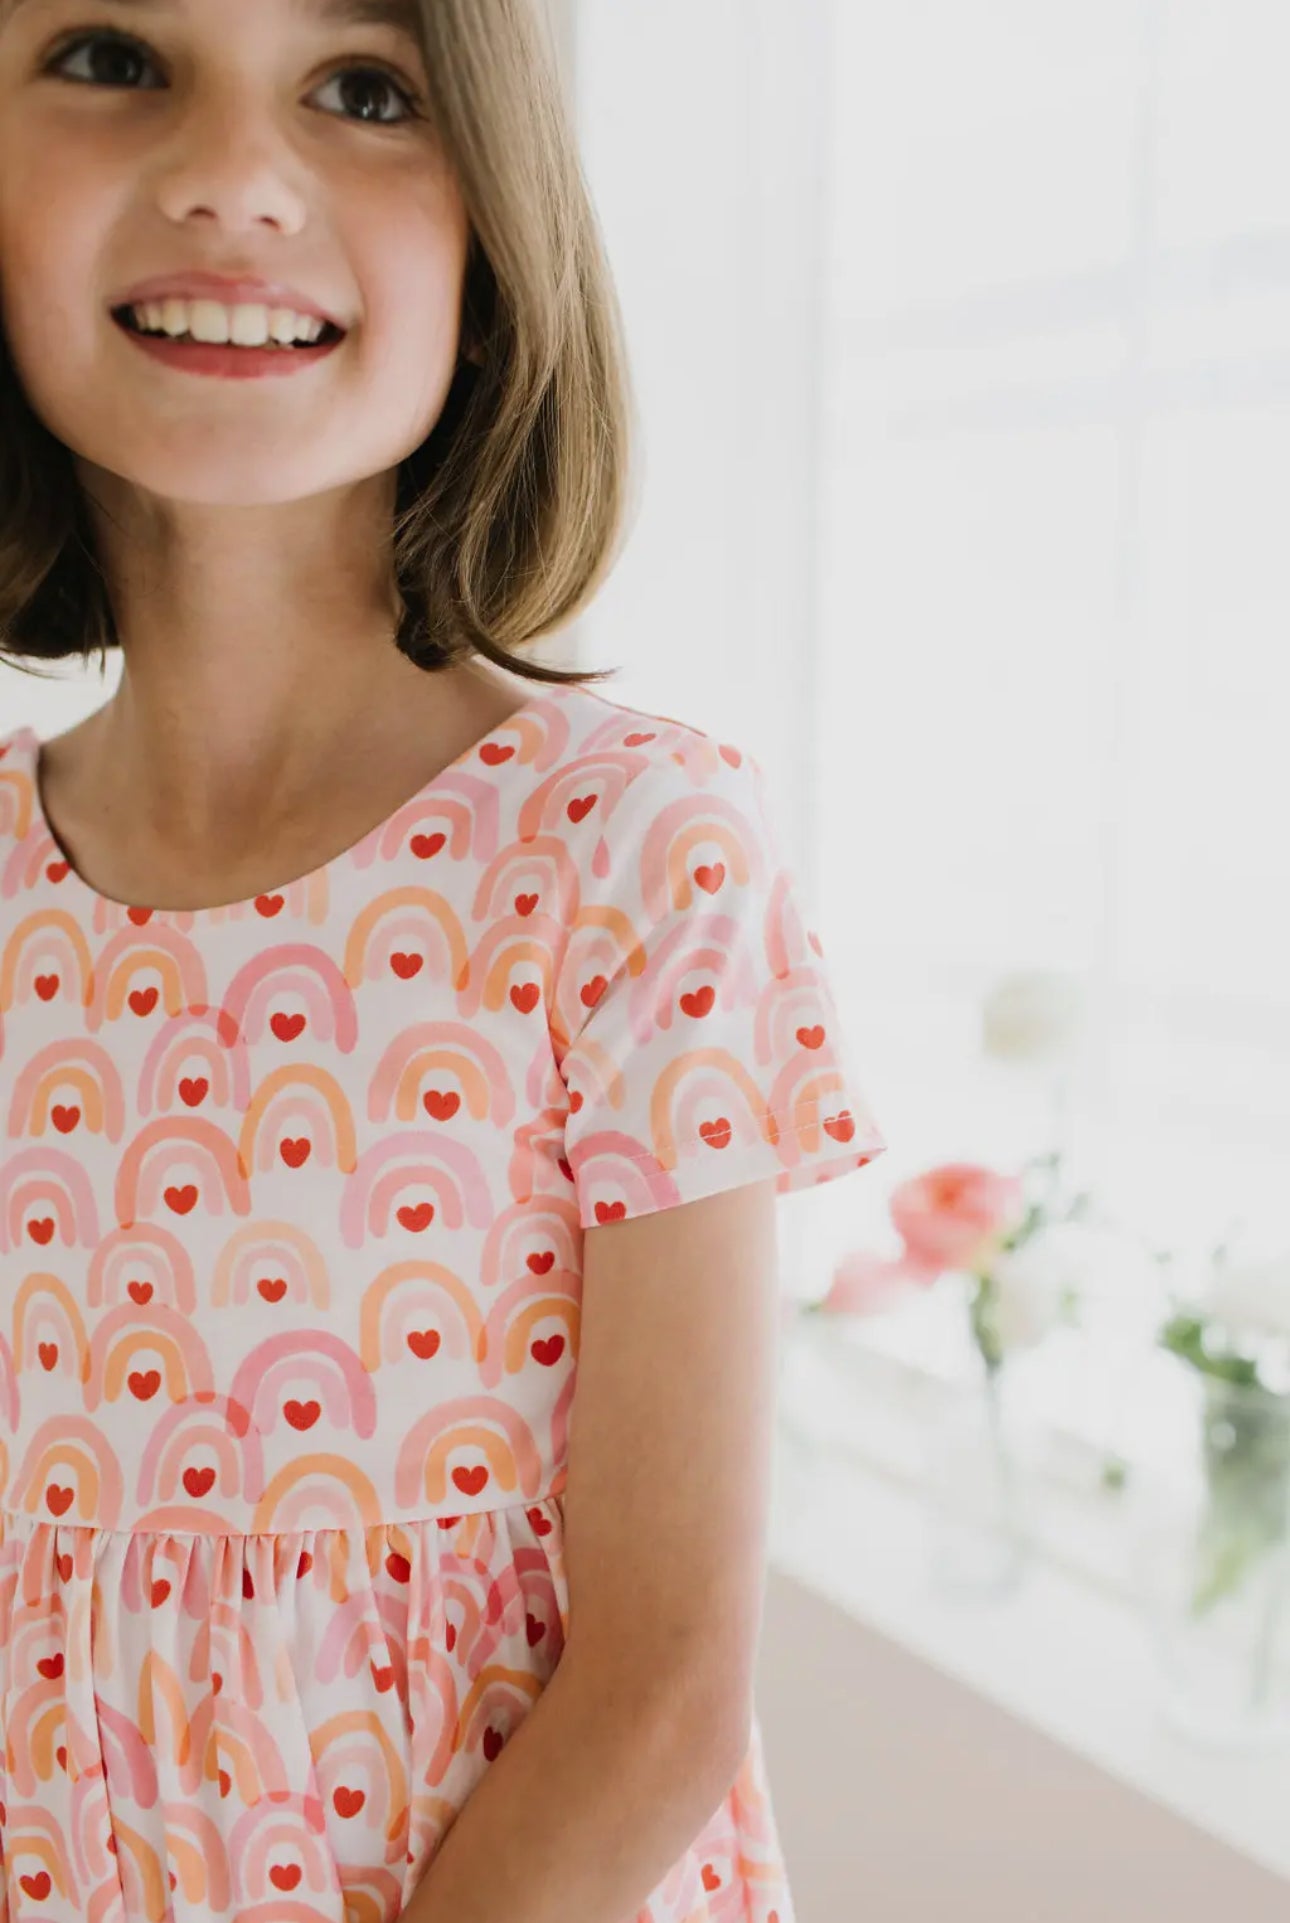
<point x="144" y="1383"/>
<point x="65" y="1567"/>
<point x="575" y="1100"/>
<point x="199" y="1482"/>
<point x="541" y="1262"/>
<point x="441" y="1104"/>
<point x="541" y="1525"/>
<point x="193" y="1089"/>
<point x="302" y="1415"/>
<point x="548" y="1352"/>
<point x="58" y="870"/>
<point x="37" y="1886"/>
<point x="272" y="1287"/>
<point x="48" y="1354"/>
<point x="139" y="1291"/>
<point x="58" y="1498"/>
<point x="416" y="1216"/>
<point x="494" y="1743"/>
<point x="423" y="846"/>
<point x="225" y="1782"/>
<point x="840" y="1126"/>
<point x="286" y="1027"/>
<point x="139" y="916"/>
<point x="583" y="805"/>
<point x="65" y="1118"/>
<point x="525" y="997"/>
<point x="716" y="1134"/>
<point x="51" y="1667"/>
<point x="349" y="1801"/>
<point x="61" y="1754"/>
<point x="637" y="740"/>
<point x="593" y="990"/>
<point x="284" y="1876"/>
<point x="142" y="1000"/>
<point x="470" y="1481"/>
<point x="406" y="966"/>
<point x="711" y="1881"/>
<point x="700" y="1002"/>
<point x="423" y="1342"/>
<point x="383" y="1678"/>
<point x="160" y="1590"/>
<point x="295" y="1152"/>
<point x="525" y="904"/>
<point x="495" y="752"/>
<point x="399" y="1566"/>
<point x="710" y="878"/>
<point x="181" y="1200"/>
<point x="269" y="905"/>
<point x="46" y="987"/>
<point x="610" y="1211"/>
<point x="534" y="1630"/>
<point x="42" y="1230"/>
<point x="811" y="1037"/>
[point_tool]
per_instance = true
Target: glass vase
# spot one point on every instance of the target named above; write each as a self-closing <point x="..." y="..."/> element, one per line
<point x="978" y="1538"/>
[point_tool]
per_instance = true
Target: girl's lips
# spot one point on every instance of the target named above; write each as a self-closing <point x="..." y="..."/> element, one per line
<point x="227" y="362"/>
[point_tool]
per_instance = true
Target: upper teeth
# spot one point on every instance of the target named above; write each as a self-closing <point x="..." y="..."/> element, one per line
<point x="208" y="320"/>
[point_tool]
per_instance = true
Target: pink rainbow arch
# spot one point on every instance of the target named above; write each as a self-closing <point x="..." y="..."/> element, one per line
<point x="505" y="1348"/>
<point x="41" y="1174"/>
<point x="132" y="951"/>
<point x="181" y="1037"/>
<point x="686" y="824"/>
<point x="479" y="1705"/>
<point x="96" y="1473"/>
<point x="157" y="1327"/>
<point x="217" y="1424"/>
<point x="345" y="1388"/>
<point x="609" y="773"/>
<point x="292" y="1076"/>
<point x="381" y="1340"/>
<point x="673" y="1075"/>
<point x="430" y="906"/>
<point x="283" y="1244"/>
<point x="97" y="1084"/>
<point x="34" y="933"/>
<point x="422" y="1157"/>
<point x="36" y="1295"/>
<point x="520" y="1229"/>
<point x="549" y="856"/>
<point x="466" y="1422"/>
<point x="169" y="1262"/>
<point x="308" y="971"/>
<point x="178" y="1137"/>
<point x="455" y="1046"/>
<point x="363" y="1747"/>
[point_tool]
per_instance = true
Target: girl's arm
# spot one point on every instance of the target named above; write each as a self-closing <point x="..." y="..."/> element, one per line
<point x="641" y="1730"/>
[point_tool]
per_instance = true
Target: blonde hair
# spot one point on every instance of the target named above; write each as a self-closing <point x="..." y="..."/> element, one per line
<point x="511" y="513"/>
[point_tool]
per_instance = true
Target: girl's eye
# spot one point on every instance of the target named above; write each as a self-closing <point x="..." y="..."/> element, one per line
<point x="118" y="55"/>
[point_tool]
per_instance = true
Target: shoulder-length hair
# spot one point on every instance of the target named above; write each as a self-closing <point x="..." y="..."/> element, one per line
<point x="511" y="513"/>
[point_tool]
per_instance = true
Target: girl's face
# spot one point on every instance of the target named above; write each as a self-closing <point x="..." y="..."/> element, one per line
<point x="270" y="139"/>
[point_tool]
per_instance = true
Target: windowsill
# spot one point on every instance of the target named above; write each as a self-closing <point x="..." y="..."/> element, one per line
<point x="1066" y="1651"/>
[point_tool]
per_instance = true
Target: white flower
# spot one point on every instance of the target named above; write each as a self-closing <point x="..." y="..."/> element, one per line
<point x="1062" y="1264"/>
<point x="1252" y="1297"/>
<point x="1032" y="1017"/>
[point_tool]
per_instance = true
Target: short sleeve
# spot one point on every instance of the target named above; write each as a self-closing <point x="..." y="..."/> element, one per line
<point x="699" y="1040"/>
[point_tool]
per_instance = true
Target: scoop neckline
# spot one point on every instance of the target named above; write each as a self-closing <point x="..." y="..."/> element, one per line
<point x="247" y="904"/>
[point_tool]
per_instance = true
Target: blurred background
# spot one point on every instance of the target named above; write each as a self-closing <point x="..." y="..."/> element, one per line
<point x="959" y="329"/>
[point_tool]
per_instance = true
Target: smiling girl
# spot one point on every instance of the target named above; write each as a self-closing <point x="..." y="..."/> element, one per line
<point x="402" y="1044"/>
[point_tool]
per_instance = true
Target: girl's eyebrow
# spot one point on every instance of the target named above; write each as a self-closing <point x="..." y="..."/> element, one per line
<point x="404" y="16"/>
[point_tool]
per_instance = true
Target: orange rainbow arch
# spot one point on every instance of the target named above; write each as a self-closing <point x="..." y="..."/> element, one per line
<point x="314" y="1481"/>
<point x="54" y="1178"/>
<point x="796" y="999"/>
<point x="133" y="952"/>
<point x="54" y="1068"/>
<point x="34" y="932"/>
<point x="96" y="1474"/>
<point x="544" y="855"/>
<point x="274" y="1823"/>
<point x="670" y="1079"/>
<point x="512" y="1354"/>
<point x="47" y="1298"/>
<point x="199" y="1859"/>
<point x="363" y="1747"/>
<point x="158" y="1681"/>
<point x="480" y="1700"/>
<point x="157" y="1329"/>
<point x="291" y="1076"/>
<point x="421" y="1468"/>
<point x="491" y="987"/>
<point x="207" y="1033"/>
<point x="675" y="830"/>
<point x="382" y="1341"/>
<point x="433" y="907"/>
<point x="516" y="1232"/>
<point x="142" y="1245"/>
<point x="169" y="1134"/>
<point x="270" y="1243"/>
<point x="417" y="1051"/>
<point x="220" y="1425"/>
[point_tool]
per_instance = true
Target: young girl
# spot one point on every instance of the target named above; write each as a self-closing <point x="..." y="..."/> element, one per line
<point x="401" y="1043"/>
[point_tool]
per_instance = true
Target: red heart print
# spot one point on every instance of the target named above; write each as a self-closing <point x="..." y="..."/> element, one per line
<point x="525" y="997"/>
<point x="199" y="1482"/>
<point x="494" y="753"/>
<point x="65" y="1117"/>
<point x="383" y="1678"/>
<point x="302" y="1415"/>
<point x="548" y="1352"/>
<point x="349" y="1802"/>
<point x="272" y="1287"/>
<point x="494" y="1743"/>
<point x="610" y="1211"/>
<point x="58" y="870"/>
<point x="700" y="1002"/>
<point x="399" y="1566"/>
<point x="581" y="806"/>
<point x="575" y="1100"/>
<point x="144" y="1383"/>
<point x="51" y="1667"/>
<point x="534" y="1630"/>
<point x="58" y="1498"/>
<point x="182" y="1199"/>
<point x="840" y="1126"/>
<point x="416" y="1216"/>
<point x="441" y="1104"/>
<point x="711" y="1880"/>
<point x="423" y="846"/>
<point x="423" y="1342"/>
<point x="295" y="1152"/>
<point x="269" y="905"/>
<point x="65" y="1568"/>
<point x="143" y="1000"/>
<point x="593" y="990"/>
<point x="46" y="987"/>
<point x="139" y="916"/>
<point x="139" y="1291"/>
<point x="525" y="904"/>
<point x="716" y="1134"/>
<point x="286" y="1027"/>
<point x="160" y="1590"/>
<point x="41" y="1231"/>
<point x="637" y="740"/>
<point x="710" y="877"/>
<point x="284" y="1876"/>
<point x="38" y="1885"/>
<point x="406" y="966"/>
<point x="470" y="1481"/>
<point x="48" y="1354"/>
<point x="811" y="1037"/>
<point x="541" y="1262"/>
<point x="192" y="1089"/>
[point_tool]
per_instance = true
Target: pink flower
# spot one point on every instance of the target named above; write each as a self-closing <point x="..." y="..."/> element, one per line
<point x="955" y="1216"/>
<point x="865" y="1283"/>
